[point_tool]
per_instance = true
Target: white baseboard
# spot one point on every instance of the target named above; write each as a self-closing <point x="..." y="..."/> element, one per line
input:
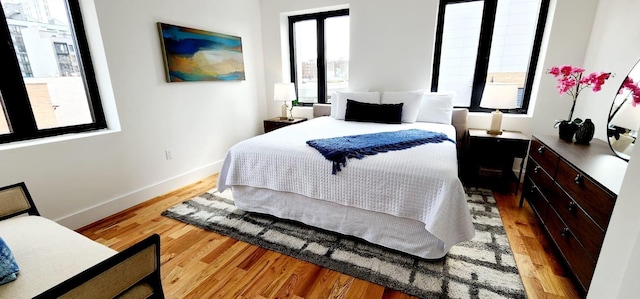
<point x="110" y="207"/>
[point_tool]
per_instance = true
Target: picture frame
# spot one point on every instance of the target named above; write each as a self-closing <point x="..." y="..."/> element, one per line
<point x="199" y="55"/>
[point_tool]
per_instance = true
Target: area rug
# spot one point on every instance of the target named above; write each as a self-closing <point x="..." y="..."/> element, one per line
<point x="481" y="268"/>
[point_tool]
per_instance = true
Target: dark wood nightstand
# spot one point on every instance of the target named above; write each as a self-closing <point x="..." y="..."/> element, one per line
<point x="490" y="158"/>
<point x="277" y="123"/>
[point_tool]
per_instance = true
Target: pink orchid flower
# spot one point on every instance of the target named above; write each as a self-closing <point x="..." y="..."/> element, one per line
<point x="572" y="81"/>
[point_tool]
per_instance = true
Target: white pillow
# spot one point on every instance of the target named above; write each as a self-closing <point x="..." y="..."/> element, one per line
<point x="436" y="107"/>
<point x="371" y="97"/>
<point x="411" y="100"/>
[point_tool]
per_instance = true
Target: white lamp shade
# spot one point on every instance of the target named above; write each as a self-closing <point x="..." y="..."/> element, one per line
<point x="627" y="117"/>
<point x="500" y="96"/>
<point x="283" y="92"/>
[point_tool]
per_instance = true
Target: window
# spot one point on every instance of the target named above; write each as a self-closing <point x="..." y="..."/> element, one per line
<point x="319" y="52"/>
<point x="49" y="87"/>
<point x="487" y="41"/>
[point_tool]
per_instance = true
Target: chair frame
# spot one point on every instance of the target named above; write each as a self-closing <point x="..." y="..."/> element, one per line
<point x="32" y="210"/>
<point x="153" y="279"/>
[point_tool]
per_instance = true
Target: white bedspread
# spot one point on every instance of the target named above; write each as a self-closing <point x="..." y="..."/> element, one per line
<point x="419" y="183"/>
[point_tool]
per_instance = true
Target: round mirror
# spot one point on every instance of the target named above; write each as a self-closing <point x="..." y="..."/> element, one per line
<point x="624" y="118"/>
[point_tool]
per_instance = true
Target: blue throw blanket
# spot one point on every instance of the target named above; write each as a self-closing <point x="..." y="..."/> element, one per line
<point x="339" y="149"/>
<point x="8" y="267"/>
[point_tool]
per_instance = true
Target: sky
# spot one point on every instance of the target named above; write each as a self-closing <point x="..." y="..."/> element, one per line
<point x="337" y="43"/>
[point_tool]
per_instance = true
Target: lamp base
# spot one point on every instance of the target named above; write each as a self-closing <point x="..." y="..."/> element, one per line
<point x="284" y="109"/>
<point x="496" y="123"/>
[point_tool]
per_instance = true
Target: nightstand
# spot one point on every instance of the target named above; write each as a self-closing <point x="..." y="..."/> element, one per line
<point x="491" y="158"/>
<point x="277" y="123"/>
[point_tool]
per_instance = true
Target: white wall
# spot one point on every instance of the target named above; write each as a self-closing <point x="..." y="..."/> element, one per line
<point x="620" y="251"/>
<point x="392" y="49"/>
<point x="391" y="44"/>
<point x="79" y="181"/>
<point x="615" y="47"/>
<point x="276" y="44"/>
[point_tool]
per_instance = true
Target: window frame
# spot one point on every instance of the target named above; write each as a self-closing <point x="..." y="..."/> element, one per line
<point x="17" y="108"/>
<point x="321" y="63"/>
<point x="484" y="53"/>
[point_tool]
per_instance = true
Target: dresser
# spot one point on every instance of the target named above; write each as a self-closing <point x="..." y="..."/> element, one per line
<point x="572" y="189"/>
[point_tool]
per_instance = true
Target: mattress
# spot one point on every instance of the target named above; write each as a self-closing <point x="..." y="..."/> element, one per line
<point x="420" y="183"/>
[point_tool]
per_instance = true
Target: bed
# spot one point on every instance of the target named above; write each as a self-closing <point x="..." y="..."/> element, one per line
<point x="409" y="200"/>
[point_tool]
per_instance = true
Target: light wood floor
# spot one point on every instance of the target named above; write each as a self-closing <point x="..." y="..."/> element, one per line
<point x="201" y="264"/>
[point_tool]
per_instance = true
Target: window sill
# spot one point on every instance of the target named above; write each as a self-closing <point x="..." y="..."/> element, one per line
<point x="53" y="139"/>
<point x="504" y="115"/>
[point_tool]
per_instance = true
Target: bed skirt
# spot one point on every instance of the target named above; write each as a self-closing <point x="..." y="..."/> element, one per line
<point x="402" y="234"/>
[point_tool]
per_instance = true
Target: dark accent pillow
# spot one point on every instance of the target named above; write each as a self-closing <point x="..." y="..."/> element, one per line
<point x="376" y="113"/>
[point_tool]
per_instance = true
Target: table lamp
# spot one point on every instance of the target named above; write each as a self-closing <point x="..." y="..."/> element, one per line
<point x="284" y="92"/>
<point x="627" y="117"/>
<point x="499" y="96"/>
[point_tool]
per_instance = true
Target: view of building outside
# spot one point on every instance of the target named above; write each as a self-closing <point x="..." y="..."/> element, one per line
<point x="47" y="55"/>
<point x="306" y="56"/>
<point x="336" y="52"/>
<point x="511" y="46"/>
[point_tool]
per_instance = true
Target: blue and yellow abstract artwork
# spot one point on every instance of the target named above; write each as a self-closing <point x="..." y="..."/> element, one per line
<point x="199" y="55"/>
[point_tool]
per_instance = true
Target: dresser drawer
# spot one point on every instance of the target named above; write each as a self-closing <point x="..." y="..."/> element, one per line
<point x="545" y="157"/>
<point x="539" y="176"/>
<point x="594" y="200"/>
<point x="536" y="200"/>
<point x="577" y="258"/>
<point x="584" y="229"/>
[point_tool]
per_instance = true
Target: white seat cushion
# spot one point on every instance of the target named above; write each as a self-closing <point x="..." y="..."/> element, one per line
<point x="47" y="254"/>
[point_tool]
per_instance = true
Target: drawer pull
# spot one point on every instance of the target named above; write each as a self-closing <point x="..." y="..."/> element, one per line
<point x="572" y="206"/>
<point x="536" y="169"/>
<point x="565" y="232"/>
<point x="533" y="189"/>
<point x="578" y="179"/>
<point x="541" y="149"/>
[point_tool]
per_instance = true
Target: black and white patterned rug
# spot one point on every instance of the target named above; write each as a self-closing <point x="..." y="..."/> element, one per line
<point x="481" y="268"/>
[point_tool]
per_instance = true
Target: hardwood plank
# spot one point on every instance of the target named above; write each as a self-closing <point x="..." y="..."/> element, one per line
<point x="541" y="273"/>
<point x="322" y="284"/>
<point x="265" y="275"/>
<point x="199" y="264"/>
<point x="341" y="286"/>
<point x="255" y="271"/>
<point x="306" y="273"/>
<point x="364" y="289"/>
<point x="281" y="277"/>
<point x="392" y="294"/>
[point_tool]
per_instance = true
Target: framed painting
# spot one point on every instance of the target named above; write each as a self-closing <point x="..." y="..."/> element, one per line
<point x="200" y="55"/>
